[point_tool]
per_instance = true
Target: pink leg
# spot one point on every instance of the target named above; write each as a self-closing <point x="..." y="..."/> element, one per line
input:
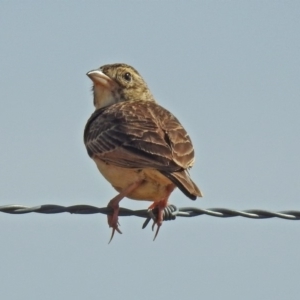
<point x="161" y="205"/>
<point x="114" y="204"/>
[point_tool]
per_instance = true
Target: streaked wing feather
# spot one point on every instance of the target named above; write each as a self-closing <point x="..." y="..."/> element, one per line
<point x="139" y="135"/>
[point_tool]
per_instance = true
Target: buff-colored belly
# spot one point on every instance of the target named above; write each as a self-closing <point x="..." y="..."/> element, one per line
<point x="155" y="186"/>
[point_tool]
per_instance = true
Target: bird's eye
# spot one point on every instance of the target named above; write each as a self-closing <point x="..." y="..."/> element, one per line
<point x="127" y="76"/>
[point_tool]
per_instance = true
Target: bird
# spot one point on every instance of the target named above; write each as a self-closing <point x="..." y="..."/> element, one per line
<point x="139" y="147"/>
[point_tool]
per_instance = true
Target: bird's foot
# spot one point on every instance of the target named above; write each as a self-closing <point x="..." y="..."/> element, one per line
<point x="113" y="219"/>
<point x="160" y="206"/>
<point x="114" y="204"/>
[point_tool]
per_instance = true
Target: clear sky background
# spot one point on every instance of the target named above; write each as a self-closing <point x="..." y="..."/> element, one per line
<point x="229" y="70"/>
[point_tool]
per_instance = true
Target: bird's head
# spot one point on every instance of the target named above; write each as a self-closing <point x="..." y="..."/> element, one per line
<point x="116" y="83"/>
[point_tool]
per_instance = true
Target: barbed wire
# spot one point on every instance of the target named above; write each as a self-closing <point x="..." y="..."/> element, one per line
<point x="170" y="212"/>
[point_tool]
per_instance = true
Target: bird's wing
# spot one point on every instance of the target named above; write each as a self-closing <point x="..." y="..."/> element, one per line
<point x="139" y="134"/>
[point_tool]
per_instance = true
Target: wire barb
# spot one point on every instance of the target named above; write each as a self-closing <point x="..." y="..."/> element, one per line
<point x="170" y="212"/>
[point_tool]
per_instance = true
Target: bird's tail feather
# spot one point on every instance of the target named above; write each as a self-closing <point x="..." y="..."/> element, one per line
<point x="183" y="181"/>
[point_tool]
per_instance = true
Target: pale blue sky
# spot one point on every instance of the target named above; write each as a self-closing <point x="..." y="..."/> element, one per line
<point x="229" y="70"/>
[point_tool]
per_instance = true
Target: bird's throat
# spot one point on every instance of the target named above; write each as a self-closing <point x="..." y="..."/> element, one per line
<point x="103" y="96"/>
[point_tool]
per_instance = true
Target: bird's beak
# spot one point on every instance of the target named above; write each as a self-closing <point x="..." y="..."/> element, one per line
<point x="103" y="88"/>
<point x="99" y="78"/>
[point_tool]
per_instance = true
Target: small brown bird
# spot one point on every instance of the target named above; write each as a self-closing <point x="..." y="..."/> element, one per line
<point x="137" y="145"/>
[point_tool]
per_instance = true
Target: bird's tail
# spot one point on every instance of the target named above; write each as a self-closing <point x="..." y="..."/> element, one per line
<point x="183" y="181"/>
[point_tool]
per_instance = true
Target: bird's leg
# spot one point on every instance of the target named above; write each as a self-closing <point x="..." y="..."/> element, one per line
<point x="161" y="205"/>
<point x="114" y="204"/>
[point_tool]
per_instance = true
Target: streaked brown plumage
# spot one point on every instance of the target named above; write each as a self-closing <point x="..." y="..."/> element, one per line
<point x="138" y="146"/>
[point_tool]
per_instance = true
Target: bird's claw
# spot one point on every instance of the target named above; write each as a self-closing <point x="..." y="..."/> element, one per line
<point x="113" y="222"/>
<point x="157" y="220"/>
<point x="157" y="230"/>
<point x="114" y="229"/>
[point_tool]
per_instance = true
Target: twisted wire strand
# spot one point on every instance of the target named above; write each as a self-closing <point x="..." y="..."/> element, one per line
<point x="170" y="212"/>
